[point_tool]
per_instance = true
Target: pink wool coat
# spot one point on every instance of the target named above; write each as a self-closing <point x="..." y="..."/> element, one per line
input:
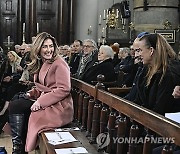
<point x="55" y="100"/>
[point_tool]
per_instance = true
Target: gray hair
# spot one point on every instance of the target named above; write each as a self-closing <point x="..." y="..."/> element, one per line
<point x="108" y="50"/>
<point x="94" y="44"/>
<point x="126" y="50"/>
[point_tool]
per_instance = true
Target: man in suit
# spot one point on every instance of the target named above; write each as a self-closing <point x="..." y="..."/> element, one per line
<point x="74" y="62"/>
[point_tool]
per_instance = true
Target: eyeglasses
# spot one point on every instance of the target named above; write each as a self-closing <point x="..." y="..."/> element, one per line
<point x="87" y="46"/>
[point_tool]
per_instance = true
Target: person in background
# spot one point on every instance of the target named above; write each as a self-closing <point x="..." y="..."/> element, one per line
<point x="138" y="65"/>
<point x="10" y="77"/>
<point x="89" y="57"/>
<point x="104" y="66"/>
<point x="17" y="49"/>
<point x="116" y="59"/>
<point x="49" y="99"/>
<point x="132" y="52"/>
<point x="75" y="57"/>
<point x="126" y="67"/>
<point x="65" y="52"/>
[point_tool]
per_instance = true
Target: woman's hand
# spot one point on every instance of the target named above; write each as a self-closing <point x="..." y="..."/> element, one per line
<point x="36" y="106"/>
<point x="176" y="92"/>
<point x="7" y="79"/>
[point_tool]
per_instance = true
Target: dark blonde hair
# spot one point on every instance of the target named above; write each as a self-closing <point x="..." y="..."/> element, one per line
<point x="36" y="62"/>
<point x="161" y="56"/>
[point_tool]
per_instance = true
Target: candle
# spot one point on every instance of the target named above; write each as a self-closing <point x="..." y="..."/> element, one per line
<point x="104" y="16"/>
<point x="103" y="32"/>
<point x="99" y="41"/>
<point x="100" y="19"/>
<point x="117" y="13"/>
<point x="8" y="40"/>
<point x="23" y="27"/>
<point x="37" y="28"/>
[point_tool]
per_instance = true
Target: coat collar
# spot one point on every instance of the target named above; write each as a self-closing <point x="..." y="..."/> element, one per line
<point x="44" y="70"/>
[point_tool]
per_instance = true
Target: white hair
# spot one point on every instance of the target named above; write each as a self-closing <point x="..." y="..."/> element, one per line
<point x="108" y="50"/>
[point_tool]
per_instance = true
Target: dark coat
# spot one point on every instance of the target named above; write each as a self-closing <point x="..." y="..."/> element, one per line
<point x="157" y="97"/>
<point x="128" y="67"/>
<point x="132" y="94"/>
<point x="91" y="61"/>
<point x="105" y="68"/>
<point x="74" y="62"/>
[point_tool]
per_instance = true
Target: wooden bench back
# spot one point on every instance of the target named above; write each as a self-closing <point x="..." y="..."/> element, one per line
<point x="98" y="111"/>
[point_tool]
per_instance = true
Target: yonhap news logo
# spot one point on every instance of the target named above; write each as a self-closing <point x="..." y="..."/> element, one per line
<point x="103" y="140"/>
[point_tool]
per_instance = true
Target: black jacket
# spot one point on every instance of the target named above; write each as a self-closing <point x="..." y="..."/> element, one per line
<point x="157" y="97"/>
<point x="105" y="68"/>
<point x="91" y="61"/>
<point x="74" y="62"/>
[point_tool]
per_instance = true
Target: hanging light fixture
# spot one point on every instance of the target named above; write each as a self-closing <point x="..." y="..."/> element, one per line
<point x="115" y="17"/>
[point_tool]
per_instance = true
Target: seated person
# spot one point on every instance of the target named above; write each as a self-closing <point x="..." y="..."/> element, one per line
<point x="138" y="65"/>
<point x="126" y="65"/>
<point x="49" y="104"/>
<point x="88" y="58"/>
<point x="11" y="75"/>
<point x="155" y="84"/>
<point x="104" y="66"/>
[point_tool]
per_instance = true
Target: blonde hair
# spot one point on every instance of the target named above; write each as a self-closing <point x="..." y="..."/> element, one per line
<point x="16" y="57"/>
<point x="36" y="62"/>
<point x="161" y="56"/>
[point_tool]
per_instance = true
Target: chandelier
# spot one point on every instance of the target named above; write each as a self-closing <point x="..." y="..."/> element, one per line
<point x="116" y="17"/>
<point x="112" y="18"/>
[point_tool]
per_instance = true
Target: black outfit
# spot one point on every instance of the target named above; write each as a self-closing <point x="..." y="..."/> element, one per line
<point x="74" y="62"/>
<point x="5" y="95"/>
<point x="158" y="97"/>
<point x="116" y="60"/>
<point x="25" y="59"/>
<point x="105" y="68"/>
<point x="127" y="66"/>
<point x="19" y="112"/>
<point x="90" y="61"/>
<point x="132" y="94"/>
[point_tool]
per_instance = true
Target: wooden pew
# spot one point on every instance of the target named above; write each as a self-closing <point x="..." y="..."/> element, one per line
<point x="104" y="118"/>
<point x="118" y="90"/>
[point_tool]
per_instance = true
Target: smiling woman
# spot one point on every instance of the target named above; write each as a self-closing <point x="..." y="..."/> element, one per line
<point x="49" y="99"/>
<point x="157" y="80"/>
<point x="47" y="50"/>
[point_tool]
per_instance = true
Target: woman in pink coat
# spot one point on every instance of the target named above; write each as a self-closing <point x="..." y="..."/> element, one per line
<point x="49" y="104"/>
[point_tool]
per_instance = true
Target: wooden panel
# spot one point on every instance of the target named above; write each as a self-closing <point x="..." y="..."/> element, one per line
<point x="8" y="19"/>
<point x="47" y="16"/>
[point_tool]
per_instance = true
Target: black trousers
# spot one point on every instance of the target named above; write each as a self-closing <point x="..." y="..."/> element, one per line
<point x="20" y="106"/>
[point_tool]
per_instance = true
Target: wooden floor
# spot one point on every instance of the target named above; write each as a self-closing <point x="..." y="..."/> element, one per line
<point x="5" y="140"/>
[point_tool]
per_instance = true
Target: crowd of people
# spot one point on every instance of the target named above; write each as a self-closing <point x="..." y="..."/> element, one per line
<point x="36" y="85"/>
